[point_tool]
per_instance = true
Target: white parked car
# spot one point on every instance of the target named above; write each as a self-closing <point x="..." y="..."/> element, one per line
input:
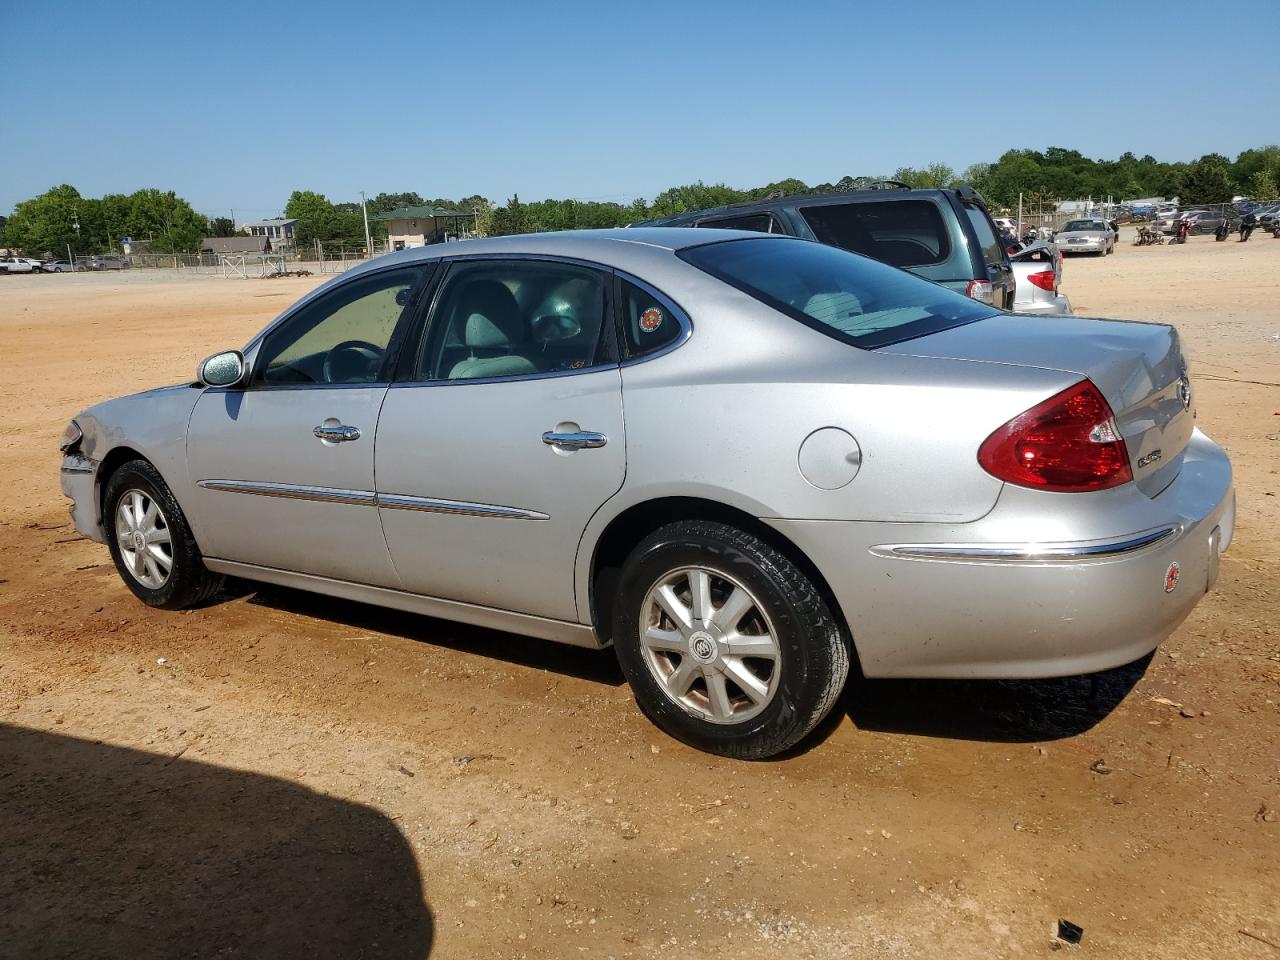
<point x="20" y="265"/>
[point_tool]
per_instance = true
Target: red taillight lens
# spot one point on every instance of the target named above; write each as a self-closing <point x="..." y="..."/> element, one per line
<point x="1068" y="444"/>
<point x="981" y="290"/>
<point x="1044" y="280"/>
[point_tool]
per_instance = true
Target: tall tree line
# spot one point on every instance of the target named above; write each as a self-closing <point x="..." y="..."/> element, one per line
<point x="47" y="224"/>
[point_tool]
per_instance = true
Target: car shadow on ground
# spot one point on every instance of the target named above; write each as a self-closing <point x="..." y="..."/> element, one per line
<point x="596" y="666"/>
<point x="999" y="711"/>
<point x="113" y="852"/>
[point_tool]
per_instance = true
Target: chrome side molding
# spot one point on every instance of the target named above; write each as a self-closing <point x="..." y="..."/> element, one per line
<point x="394" y="501"/>
<point x="1025" y="552"/>
<point x="292" y="491"/>
<point x="367" y="498"/>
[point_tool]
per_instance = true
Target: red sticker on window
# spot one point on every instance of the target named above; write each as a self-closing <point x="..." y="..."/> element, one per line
<point x="651" y="320"/>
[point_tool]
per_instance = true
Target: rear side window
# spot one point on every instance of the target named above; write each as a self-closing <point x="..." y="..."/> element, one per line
<point x="904" y="233"/>
<point x="986" y="236"/>
<point x="847" y="297"/>
<point x="758" y="222"/>
<point x="648" y="323"/>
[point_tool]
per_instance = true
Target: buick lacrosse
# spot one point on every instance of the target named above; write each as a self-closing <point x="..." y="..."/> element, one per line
<point x="744" y="461"/>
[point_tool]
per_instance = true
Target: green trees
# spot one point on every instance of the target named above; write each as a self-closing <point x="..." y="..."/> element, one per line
<point x="1208" y="180"/>
<point x="60" y="217"/>
<point x="324" y="221"/>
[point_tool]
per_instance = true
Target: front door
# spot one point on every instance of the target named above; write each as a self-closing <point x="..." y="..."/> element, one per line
<point x="505" y="438"/>
<point x="282" y="470"/>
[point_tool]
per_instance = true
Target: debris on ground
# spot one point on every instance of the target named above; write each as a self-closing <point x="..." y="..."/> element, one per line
<point x="1069" y="932"/>
<point x="1100" y="766"/>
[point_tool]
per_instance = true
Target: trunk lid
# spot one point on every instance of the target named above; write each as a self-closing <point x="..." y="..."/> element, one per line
<point x="1139" y="368"/>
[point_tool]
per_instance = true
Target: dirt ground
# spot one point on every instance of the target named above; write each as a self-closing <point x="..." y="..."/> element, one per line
<point x="281" y="775"/>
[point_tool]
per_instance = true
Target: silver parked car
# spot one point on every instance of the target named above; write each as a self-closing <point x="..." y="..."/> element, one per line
<point x="1037" y="273"/>
<point x="1091" y="235"/>
<point x="743" y="460"/>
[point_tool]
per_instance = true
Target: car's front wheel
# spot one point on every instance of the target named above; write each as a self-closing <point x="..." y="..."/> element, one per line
<point x="727" y="644"/>
<point x="150" y="542"/>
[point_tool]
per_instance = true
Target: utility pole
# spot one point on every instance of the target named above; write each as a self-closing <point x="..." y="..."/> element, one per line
<point x="368" y="244"/>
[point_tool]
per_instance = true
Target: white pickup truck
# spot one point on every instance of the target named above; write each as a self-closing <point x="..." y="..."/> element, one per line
<point x="21" y="265"/>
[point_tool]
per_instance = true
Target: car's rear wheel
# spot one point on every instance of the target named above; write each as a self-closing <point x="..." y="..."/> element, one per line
<point x="150" y="542"/>
<point x="727" y="644"/>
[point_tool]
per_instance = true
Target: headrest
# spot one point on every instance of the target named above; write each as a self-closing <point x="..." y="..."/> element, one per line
<point x="492" y="316"/>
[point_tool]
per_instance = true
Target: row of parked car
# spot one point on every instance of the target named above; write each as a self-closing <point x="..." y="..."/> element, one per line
<point x="34" y="265"/>
<point x="1202" y="221"/>
<point x="944" y="235"/>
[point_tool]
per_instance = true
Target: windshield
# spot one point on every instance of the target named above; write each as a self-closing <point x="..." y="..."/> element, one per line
<point x="1077" y="225"/>
<point x="850" y="297"/>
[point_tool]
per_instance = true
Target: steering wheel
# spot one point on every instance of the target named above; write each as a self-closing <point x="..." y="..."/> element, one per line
<point x="352" y="361"/>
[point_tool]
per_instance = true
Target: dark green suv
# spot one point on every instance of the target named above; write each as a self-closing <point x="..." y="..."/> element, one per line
<point x="943" y="235"/>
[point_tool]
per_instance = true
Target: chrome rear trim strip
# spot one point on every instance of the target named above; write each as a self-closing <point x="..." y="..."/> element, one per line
<point x="292" y="491"/>
<point x="1027" y="552"/>
<point x="367" y="498"/>
<point x="393" y="501"/>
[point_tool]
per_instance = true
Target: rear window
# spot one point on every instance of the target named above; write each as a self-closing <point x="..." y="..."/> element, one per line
<point x="986" y="236"/>
<point x="848" y="297"/>
<point x="904" y="233"/>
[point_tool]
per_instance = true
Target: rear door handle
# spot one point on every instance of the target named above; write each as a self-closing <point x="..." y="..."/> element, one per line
<point x="332" y="432"/>
<point x="575" y="440"/>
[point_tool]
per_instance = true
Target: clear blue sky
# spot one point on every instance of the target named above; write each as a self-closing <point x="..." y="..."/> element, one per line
<point x="234" y="105"/>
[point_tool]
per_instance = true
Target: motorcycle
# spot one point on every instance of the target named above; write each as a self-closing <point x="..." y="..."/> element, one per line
<point x="1180" y="234"/>
<point x="1224" y="228"/>
<point x="1247" y="225"/>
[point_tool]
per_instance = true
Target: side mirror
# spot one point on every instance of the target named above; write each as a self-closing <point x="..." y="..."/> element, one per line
<point x="224" y="369"/>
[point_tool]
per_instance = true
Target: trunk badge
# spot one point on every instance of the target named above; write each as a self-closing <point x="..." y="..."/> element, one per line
<point x="1149" y="459"/>
<point x="1171" y="577"/>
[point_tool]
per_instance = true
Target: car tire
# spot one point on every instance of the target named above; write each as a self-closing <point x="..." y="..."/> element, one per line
<point x="138" y="488"/>
<point x="795" y="684"/>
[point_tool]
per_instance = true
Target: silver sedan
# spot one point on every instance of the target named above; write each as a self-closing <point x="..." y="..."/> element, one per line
<point x="1086" y="236"/>
<point x="745" y="461"/>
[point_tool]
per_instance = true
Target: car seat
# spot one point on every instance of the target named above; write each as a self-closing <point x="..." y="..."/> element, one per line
<point x="493" y="332"/>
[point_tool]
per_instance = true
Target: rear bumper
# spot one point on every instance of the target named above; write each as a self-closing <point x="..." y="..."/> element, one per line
<point x="1016" y="594"/>
<point x="80" y="485"/>
<point x="1058" y="306"/>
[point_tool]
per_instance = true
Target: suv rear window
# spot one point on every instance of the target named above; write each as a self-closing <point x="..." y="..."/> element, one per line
<point x="850" y="298"/>
<point x="986" y="236"/>
<point x="759" y="222"/>
<point x="904" y="233"/>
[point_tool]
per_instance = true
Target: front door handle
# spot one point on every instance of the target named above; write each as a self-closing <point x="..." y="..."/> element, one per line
<point x="574" y="440"/>
<point x="333" y="432"/>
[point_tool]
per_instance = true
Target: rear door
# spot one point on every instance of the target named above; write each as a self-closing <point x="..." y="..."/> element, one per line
<point x="503" y="435"/>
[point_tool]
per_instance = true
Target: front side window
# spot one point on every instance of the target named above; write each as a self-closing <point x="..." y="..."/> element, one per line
<point x="515" y="318"/>
<point x="848" y="297"/>
<point x="341" y="337"/>
<point x="904" y="233"/>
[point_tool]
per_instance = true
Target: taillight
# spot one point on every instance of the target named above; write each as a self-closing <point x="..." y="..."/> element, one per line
<point x="981" y="290"/>
<point x="1069" y="443"/>
<point x="1044" y="280"/>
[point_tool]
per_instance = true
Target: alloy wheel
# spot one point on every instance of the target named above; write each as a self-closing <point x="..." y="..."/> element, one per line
<point x="709" y="645"/>
<point x="142" y="534"/>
